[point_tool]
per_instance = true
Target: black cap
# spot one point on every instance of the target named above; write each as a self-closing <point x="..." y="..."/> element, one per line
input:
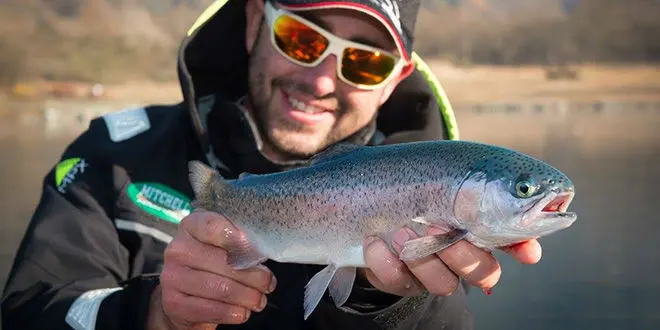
<point x="398" y="16"/>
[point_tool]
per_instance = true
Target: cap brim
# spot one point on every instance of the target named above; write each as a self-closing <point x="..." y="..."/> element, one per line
<point x="354" y="5"/>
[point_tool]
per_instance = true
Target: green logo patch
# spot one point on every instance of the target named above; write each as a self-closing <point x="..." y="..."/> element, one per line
<point x="67" y="171"/>
<point x="160" y="200"/>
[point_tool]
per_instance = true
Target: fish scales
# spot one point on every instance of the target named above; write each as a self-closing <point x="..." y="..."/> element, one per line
<point x="312" y="204"/>
<point x="321" y="214"/>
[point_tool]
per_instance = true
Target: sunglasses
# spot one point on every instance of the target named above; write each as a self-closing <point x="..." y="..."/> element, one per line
<point x="307" y="44"/>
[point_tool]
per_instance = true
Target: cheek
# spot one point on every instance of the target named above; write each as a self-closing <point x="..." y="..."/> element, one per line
<point x="268" y="64"/>
<point x="361" y="105"/>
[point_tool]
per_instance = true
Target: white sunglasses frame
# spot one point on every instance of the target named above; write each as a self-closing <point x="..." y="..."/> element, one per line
<point x="336" y="46"/>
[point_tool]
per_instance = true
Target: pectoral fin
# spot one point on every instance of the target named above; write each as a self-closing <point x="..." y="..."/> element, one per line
<point x="316" y="287"/>
<point x="241" y="254"/>
<point x="427" y="245"/>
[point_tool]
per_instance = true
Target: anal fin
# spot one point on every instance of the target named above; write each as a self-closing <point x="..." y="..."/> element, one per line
<point x="338" y="281"/>
<point x="428" y="245"/>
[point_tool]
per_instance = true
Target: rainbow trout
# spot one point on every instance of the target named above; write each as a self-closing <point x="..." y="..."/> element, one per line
<point x="320" y="214"/>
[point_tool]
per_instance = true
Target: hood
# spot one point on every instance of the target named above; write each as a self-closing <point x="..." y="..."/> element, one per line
<point x="212" y="64"/>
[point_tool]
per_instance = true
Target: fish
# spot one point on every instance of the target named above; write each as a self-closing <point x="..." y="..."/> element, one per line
<point x="321" y="213"/>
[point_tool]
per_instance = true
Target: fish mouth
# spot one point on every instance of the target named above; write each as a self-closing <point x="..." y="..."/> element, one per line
<point x="551" y="211"/>
<point x="559" y="203"/>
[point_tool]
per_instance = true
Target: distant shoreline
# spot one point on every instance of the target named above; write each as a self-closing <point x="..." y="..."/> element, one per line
<point x="464" y="85"/>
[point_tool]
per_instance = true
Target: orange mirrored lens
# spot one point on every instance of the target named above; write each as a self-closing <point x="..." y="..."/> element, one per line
<point x="366" y="67"/>
<point x="298" y="40"/>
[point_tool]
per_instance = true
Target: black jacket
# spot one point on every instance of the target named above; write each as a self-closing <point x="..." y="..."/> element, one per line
<point x="92" y="253"/>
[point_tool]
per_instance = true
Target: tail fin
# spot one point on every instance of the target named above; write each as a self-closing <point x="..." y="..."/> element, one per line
<point x="201" y="177"/>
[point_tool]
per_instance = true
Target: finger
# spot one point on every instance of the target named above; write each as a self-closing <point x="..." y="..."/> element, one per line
<point x="210" y="228"/>
<point x="528" y="252"/>
<point x="201" y="284"/>
<point x="433" y="274"/>
<point x="469" y="262"/>
<point x="186" y="251"/>
<point x="386" y="272"/>
<point x="201" y="310"/>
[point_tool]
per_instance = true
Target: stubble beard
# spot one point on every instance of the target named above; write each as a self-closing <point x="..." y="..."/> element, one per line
<point x="286" y="138"/>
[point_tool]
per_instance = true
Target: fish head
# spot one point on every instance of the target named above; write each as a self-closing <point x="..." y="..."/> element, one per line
<point x="509" y="197"/>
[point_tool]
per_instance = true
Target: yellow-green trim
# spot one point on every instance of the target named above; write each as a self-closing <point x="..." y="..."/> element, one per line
<point x="443" y="101"/>
<point x="211" y="10"/>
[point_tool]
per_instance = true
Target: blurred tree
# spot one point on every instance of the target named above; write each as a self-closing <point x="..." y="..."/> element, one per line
<point x="12" y="62"/>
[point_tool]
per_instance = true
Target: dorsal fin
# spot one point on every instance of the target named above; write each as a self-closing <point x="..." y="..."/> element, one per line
<point x="333" y="152"/>
<point x="200" y="176"/>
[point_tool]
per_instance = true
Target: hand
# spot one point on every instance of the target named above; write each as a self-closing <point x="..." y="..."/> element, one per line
<point x="197" y="288"/>
<point x="439" y="273"/>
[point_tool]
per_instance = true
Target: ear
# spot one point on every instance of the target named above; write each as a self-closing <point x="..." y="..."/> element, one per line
<point x="389" y="88"/>
<point x="254" y="13"/>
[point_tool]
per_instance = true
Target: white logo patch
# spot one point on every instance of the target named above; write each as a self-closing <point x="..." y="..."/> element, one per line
<point x="391" y="8"/>
<point x="125" y="124"/>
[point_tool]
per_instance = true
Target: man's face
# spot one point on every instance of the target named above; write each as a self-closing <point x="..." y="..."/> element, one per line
<point x="301" y="110"/>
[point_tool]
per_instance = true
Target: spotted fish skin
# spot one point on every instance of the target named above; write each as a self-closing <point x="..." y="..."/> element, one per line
<point x="321" y="214"/>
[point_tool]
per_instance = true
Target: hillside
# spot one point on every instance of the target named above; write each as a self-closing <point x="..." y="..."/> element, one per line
<point x="92" y="39"/>
<point x="114" y="40"/>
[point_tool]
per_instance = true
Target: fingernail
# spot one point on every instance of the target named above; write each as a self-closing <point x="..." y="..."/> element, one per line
<point x="262" y="303"/>
<point x="273" y="284"/>
<point x="401" y="237"/>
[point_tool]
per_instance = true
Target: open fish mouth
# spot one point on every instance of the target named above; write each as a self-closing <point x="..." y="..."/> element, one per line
<point x="559" y="204"/>
<point x="551" y="211"/>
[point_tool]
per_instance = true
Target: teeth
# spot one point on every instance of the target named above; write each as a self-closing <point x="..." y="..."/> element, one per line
<point x="300" y="105"/>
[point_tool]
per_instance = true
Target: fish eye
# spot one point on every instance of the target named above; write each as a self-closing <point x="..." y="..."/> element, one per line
<point x="525" y="188"/>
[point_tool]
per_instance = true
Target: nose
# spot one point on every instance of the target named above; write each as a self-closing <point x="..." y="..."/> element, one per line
<point x="323" y="77"/>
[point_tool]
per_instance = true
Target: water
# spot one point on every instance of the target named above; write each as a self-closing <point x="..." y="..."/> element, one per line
<point x="601" y="274"/>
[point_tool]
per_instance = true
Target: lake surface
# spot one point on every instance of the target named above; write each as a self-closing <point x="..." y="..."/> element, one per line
<point x="602" y="273"/>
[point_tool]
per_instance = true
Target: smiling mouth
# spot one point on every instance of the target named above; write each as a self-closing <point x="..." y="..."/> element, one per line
<point x="301" y="106"/>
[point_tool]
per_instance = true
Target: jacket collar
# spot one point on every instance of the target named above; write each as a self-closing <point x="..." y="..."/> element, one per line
<point x="236" y="143"/>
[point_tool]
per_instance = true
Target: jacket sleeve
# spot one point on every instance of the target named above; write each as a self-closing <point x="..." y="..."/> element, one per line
<point x="71" y="270"/>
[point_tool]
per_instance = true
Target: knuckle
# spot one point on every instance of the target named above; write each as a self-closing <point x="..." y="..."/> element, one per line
<point x="223" y="288"/>
<point x="176" y="251"/>
<point x="264" y="278"/>
<point x="168" y="276"/>
<point x="446" y="288"/>
<point x="398" y="275"/>
<point x="171" y="301"/>
<point x="188" y="221"/>
<point x="216" y="229"/>
<point x="234" y="315"/>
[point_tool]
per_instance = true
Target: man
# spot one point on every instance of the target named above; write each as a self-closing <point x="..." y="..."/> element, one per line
<point x="113" y="243"/>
